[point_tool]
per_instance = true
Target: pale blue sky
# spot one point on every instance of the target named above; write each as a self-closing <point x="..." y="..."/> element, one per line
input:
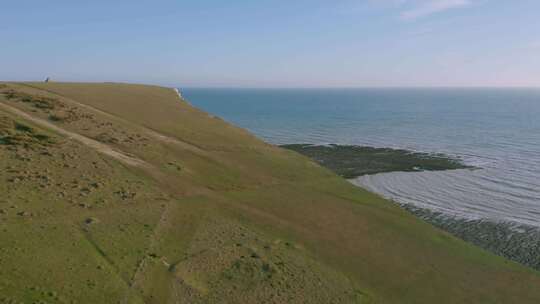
<point x="274" y="43"/>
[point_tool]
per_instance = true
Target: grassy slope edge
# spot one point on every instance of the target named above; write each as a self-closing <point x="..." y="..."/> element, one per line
<point x="216" y="216"/>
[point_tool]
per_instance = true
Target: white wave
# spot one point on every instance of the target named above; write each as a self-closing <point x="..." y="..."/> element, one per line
<point x="462" y="193"/>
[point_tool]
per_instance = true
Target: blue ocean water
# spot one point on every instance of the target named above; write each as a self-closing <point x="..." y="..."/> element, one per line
<point x="497" y="130"/>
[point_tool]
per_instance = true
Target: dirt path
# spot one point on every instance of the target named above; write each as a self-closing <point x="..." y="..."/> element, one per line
<point x="96" y="145"/>
<point x="156" y="233"/>
<point x="150" y="132"/>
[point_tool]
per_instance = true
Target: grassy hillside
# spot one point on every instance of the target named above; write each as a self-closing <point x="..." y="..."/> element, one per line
<point x="116" y="193"/>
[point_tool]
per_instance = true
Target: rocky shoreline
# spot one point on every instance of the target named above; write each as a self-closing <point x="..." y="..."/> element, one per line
<point x="351" y="161"/>
<point x="519" y="243"/>
<point x="516" y="242"/>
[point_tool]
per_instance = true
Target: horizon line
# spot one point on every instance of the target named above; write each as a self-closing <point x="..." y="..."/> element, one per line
<point x="356" y="87"/>
<point x="168" y="84"/>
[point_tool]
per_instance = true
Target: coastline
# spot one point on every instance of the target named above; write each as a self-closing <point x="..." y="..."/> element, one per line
<point x="515" y="241"/>
<point x="351" y="161"/>
<point x="252" y="221"/>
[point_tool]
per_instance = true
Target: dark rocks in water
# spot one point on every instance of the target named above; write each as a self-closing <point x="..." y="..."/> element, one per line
<point x="353" y="161"/>
<point x="519" y="243"/>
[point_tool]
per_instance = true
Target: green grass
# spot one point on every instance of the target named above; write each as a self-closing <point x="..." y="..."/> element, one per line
<point x="240" y="222"/>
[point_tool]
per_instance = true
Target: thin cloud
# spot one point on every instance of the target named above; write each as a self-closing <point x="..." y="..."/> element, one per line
<point x="426" y="8"/>
<point x="535" y="45"/>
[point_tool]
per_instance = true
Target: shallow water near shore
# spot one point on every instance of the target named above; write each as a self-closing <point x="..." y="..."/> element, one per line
<point x="497" y="130"/>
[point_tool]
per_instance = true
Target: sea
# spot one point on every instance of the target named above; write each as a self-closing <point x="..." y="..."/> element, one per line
<point x="495" y="130"/>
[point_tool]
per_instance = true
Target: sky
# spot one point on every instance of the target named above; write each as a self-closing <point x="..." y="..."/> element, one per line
<point x="274" y="43"/>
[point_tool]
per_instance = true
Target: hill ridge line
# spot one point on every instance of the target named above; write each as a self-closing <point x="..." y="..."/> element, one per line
<point x="94" y="144"/>
<point x="157" y="135"/>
